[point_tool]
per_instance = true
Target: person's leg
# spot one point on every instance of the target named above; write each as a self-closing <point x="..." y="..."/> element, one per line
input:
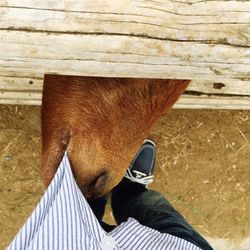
<point x="151" y="209"/>
<point x="98" y="208"/>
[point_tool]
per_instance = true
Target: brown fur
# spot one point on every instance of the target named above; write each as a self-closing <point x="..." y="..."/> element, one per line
<point x="102" y="123"/>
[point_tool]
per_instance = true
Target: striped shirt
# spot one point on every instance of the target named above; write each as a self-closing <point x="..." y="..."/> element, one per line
<point x="64" y="220"/>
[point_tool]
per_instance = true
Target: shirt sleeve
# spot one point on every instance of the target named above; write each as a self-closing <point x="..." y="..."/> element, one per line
<point x="62" y="219"/>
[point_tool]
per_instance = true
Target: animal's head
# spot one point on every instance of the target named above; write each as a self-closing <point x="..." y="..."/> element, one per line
<point x="101" y="122"/>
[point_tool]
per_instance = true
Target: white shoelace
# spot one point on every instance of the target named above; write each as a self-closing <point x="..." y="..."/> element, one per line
<point x="139" y="177"/>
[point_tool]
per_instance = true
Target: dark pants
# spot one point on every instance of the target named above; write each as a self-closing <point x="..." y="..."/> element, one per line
<point x="150" y="208"/>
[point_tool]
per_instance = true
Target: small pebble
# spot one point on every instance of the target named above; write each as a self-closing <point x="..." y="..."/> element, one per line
<point x="7" y="158"/>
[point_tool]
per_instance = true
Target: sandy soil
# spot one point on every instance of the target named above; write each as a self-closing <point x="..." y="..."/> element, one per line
<point x="202" y="168"/>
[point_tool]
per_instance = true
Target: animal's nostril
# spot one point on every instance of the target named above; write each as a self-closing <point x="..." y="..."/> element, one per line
<point x="96" y="187"/>
<point x="100" y="181"/>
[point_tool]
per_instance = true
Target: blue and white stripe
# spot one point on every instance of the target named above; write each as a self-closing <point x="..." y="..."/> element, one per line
<point x="64" y="220"/>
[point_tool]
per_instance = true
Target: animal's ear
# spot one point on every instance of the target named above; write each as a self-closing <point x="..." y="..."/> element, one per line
<point x="54" y="146"/>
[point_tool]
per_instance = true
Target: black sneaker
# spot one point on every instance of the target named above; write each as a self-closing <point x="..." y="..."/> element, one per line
<point x="142" y="166"/>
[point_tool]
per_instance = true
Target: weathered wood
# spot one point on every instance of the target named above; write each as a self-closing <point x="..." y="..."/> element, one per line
<point x="196" y="87"/>
<point x="27" y="53"/>
<point x="185" y="102"/>
<point x="213" y="102"/>
<point x="221" y="22"/>
<point x="188" y="39"/>
<point x="19" y="83"/>
<point x="235" y="88"/>
<point x="201" y="95"/>
<point x="206" y="41"/>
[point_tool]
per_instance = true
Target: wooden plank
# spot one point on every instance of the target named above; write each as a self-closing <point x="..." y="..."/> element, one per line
<point x="206" y="40"/>
<point x="213" y="102"/>
<point x="197" y="87"/>
<point x="223" y="88"/>
<point x="30" y="53"/>
<point x="19" y="83"/>
<point x="207" y="21"/>
<point x="185" y="102"/>
<point x="199" y="95"/>
<point x="21" y="97"/>
<point x="204" y="94"/>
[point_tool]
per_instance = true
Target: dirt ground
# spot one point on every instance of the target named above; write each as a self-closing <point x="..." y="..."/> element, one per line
<point x="202" y="168"/>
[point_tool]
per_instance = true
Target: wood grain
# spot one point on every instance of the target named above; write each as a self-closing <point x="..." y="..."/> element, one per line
<point x="206" y="41"/>
<point x="199" y="95"/>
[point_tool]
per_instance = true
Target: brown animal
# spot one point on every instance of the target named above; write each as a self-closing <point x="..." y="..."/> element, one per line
<point x="102" y="123"/>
